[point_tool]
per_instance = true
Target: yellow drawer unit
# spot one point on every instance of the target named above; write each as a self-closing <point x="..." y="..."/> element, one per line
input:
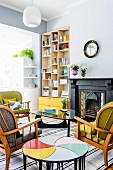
<point x="45" y="102"/>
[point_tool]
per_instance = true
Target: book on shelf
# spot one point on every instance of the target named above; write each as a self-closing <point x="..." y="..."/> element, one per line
<point x="55" y="83"/>
<point x="63" y="81"/>
<point x="54" y="93"/>
<point x="64" y="38"/>
<point x="63" y="61"/>
<point x="65" y="94"/>
<point x="55" y="36"/>
<point x="47" y="42"/>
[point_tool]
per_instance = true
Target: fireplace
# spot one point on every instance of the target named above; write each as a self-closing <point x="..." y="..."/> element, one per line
<point x="88" y="95"/>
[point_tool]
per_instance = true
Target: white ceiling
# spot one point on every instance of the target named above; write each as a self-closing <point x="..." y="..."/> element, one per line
<point x="49" y="8"/>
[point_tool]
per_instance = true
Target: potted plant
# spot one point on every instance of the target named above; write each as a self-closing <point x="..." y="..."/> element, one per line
<point x="74" y="68"/>
<point x="83" y="70"/>
<point x="25" y="53"/>
<point x="64" y="102"/>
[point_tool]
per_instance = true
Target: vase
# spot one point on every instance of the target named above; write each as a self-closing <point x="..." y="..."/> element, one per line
<point x="64" y="106"/>
<point x="74" y="72"/>
<point x="83" y="73"/>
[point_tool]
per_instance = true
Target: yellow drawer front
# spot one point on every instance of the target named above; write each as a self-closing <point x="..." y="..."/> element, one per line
<point x="42" y="107"/>
<point x="47" y="101"/>
<point x="55" y="102"/>
<point x="43" y="100"/>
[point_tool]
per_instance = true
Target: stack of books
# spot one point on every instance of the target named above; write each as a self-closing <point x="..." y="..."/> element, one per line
<point x="50" y="111"/>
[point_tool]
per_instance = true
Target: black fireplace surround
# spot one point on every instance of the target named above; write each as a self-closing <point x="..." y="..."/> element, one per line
<point x="90" y="91"/>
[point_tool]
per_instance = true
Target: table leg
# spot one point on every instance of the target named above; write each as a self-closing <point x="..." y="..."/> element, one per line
<point x="24" y="161"/>
<point x="75" y="164"/>
<point x="80" y="163"/>
<point x="68" y="129"/>
<point x="49" y="166"/>
<point x="40" y="165"/>
<point x="58" y="166"/>
<point x="83" y="163"/>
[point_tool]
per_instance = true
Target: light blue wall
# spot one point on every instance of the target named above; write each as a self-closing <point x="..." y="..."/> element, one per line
<point x="14" y="18"/>
<point x="90" y="20"/>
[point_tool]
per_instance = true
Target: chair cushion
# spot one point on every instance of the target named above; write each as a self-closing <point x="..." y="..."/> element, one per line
<point x="15" y="105"/>
<point x="87" y="128"/>
<point x="95" y="139"/>
<point x="5" y="101"/>
<point x="26" y="138"/>
<point x="22" y="111"/>
<point x="102" y="122"/>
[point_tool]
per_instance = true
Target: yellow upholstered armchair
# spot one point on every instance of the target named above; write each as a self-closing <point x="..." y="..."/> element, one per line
<point x="98" y="133"/>
<point x="21" y="109"/>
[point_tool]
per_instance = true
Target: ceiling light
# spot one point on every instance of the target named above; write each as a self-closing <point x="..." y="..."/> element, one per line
<point x="31" y="16"/>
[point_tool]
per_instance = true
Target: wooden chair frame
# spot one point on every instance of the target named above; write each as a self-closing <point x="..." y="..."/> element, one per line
<point x="108" y="144"/>
<point x="25" y="105"/>
<point x="5" y="147"/>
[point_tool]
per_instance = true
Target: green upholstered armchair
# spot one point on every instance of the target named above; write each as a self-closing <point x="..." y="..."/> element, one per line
<point x="13" y="137"/>
<point x="6" y="96"/>
<point x="98" y="133"/>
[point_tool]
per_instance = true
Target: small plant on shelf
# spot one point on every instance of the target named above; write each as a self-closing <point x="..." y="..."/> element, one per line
<point x="83" y="70"/>
<point x="25" y="53"/>
<point x="64" y="102"/>
<point x="75" y="68"/>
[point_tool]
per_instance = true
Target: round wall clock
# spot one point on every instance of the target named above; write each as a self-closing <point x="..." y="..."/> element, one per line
<point x="91" y="49"/>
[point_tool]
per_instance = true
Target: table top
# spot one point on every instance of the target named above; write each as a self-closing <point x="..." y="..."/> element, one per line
<point x="67" y="114"/>
<point x="55" y="149"/>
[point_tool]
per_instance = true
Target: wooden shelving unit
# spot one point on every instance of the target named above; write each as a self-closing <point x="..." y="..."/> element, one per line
<point x="55" y="60"/>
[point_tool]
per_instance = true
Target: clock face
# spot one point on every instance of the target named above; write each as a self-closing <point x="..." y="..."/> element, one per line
<point x="91" y="49"/>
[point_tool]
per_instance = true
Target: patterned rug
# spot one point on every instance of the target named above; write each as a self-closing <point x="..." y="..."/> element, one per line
<point x="94" y="157"/>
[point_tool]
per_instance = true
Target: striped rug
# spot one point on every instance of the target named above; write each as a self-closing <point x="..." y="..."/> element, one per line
<point x="94" y="157"/>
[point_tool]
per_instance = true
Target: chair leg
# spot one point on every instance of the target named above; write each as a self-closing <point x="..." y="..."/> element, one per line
<point x="29" y="117"/>
<point x="105" y="157"/>
<point x="7" y="160"/>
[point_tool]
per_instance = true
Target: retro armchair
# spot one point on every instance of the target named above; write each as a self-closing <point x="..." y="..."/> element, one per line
<point x="98" y="133"/>
<point x="13" y="137"/>
<point x="6" y="96"/>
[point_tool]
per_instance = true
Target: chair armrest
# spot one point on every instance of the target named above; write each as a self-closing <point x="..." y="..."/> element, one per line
<point x="22" y="127"/>
<point x="92" y="126"/>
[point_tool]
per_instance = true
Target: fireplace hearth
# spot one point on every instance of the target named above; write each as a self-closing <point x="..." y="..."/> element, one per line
<point x="88" y="95"/>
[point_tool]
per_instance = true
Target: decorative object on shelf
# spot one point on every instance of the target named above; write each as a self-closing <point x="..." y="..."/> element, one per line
<point x="25" y="53"/>
<point x="31" y="85"/>
<point x="91" y="49"/>
<point x="75" y="69"/>
<point x="83" y="71"/>
<point x="46" y="91"/>
<point x="31" y="16"/>
<point x="32" y="75"/>
<point x="64" y="102"/>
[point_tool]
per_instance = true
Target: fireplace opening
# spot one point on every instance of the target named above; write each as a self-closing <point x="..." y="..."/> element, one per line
<point x="90" y="103"/>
